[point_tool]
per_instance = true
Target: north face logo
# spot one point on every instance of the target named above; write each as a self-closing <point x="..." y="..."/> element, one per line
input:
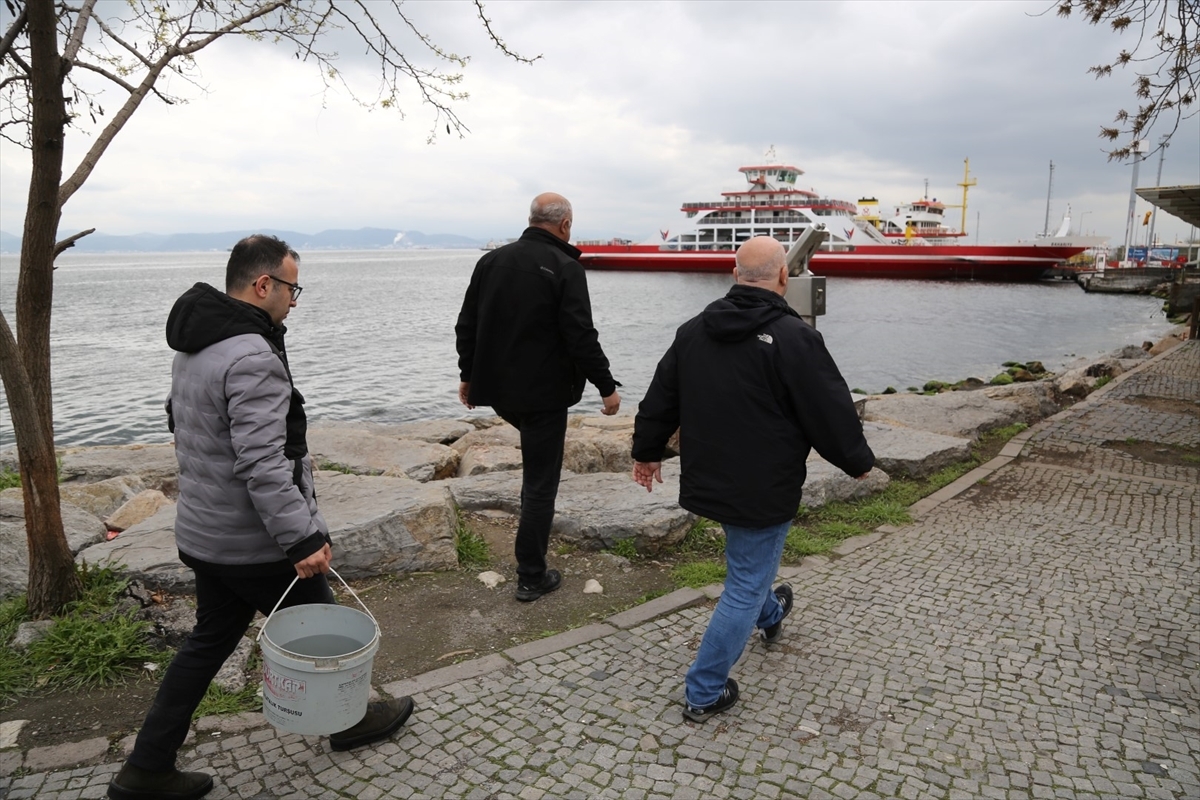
<point x="765" y="337"/>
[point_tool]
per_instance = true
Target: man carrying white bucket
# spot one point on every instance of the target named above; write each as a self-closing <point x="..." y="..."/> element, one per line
<point x="247" y="521"/>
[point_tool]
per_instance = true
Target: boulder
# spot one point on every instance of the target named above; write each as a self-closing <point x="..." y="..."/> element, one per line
<point x="594" y="449"/>
<point x="98" y="499"/>
<point x="594" y="510"/>
<point x="436" y="431"/>
<point x="141" y="507"/>
<point x="964" y="415"/>
<point x="619" y="422"/>
<point x="146" y="552"/>
<point x="82" y="529"/>
<point x="1075" y="382"/>
<point x="1131" y="352"/>
<point x="497" y="436"/>
<point x="913" y="453"/>
<point x="381" y="525"/>
<point x="1036" y="400"/>
<point x="488" y="458"/>
<point x="1108" y="368"/>
<point x="364" y="453"/>
<point x="826" y="483"/>
<point x="153" y="464"/>
<point x="232" y="675"/>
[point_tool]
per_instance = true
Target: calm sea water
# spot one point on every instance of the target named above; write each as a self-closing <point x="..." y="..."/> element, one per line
<point x="373" y="335"/>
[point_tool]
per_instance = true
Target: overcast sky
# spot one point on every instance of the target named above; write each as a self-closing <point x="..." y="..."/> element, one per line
<point x="634" y="109"/>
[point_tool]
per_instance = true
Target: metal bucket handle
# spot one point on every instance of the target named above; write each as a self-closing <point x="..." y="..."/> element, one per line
<point x="263" y="629"/>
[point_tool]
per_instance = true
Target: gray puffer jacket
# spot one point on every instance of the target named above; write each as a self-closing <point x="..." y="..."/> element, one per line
<point x="244" y="505"/>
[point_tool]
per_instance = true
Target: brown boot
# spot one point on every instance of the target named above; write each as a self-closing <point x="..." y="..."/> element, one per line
<point x="134" y="783"/>
<point x="382" y="720"/>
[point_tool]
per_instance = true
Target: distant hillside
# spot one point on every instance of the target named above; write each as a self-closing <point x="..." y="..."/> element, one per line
<point x="361" y="239"/>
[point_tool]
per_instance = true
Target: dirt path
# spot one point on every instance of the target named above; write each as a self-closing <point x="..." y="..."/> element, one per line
<point x="426" y="620"/>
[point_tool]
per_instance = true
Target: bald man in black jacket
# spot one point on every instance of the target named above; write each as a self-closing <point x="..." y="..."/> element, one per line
<point x="526" y="346"/>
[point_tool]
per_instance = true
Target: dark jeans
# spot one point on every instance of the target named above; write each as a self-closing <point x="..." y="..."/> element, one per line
<point x="224" y="609"/>
<point x="542" y="436"/>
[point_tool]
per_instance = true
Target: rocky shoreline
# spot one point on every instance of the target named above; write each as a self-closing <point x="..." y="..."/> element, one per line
<point x="392" y="493"/>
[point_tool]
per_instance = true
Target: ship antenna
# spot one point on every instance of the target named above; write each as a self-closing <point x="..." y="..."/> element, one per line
<point x="1049" y="191"/>
<point x="771" y="155"/>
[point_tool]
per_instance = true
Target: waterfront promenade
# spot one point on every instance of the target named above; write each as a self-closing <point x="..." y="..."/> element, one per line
<point x="1033" y="633"/>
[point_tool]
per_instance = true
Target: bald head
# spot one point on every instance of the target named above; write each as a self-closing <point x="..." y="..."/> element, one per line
<point x="760" y="262"/>
<point x="550" y="211"/>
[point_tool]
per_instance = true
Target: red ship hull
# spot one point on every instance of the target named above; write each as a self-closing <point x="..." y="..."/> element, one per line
<point x="934" y="262"/>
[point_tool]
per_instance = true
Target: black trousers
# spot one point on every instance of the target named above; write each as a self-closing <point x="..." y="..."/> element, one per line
<point x="224" y="610"/>
<point x="542" y="437"/>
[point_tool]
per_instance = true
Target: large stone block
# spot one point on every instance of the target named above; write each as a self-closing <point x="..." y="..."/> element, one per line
<point x="436" y="431"/>
<point x="153" y="464"/>
<point x="139" y="508"/>
<point x="147" y="552"/>
<point x="365" y="453"/>
<point x="826" y="483"/>
<point x="488" y="458"/>
<point x="961" y="414"/>
<point x="80" y="527"/>
<point x="383" y="525"/>
<point x="502" y="435"/>
<point x="913" y="453"/>
<point x="594" y="510"/>
<point x="597" y="449"/>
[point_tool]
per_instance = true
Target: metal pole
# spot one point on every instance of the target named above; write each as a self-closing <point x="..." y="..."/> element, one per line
<point x="1049" y="190"/>
<point x="1162" y="152"/>
<point x="1138" y="147"/>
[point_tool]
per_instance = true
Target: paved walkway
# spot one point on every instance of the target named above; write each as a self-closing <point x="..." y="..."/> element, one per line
<point x="1034" y="633"/>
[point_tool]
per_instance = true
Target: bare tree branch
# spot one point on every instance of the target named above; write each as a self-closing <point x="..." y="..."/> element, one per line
<point x="77" y="32"/>
<point x="70" y="241"/>
<point x="500" y="45"/>
<point x="1165" y="57"/>
<point x="13" y="32"/>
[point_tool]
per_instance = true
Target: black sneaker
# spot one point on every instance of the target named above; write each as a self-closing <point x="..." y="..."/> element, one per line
<point x="134" y="783"/>
<point x="382" y="720"/>
<point x="528" y="592"/>
<point x="783" y="594"/>
<point x="729" y="696"/>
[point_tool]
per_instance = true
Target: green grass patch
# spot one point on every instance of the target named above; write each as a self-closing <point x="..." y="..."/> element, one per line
<point x="625" y="548"/>
<point x="695" y="574"/>
<point x="1191" y="459"/>
<point x="82" y="651"/>
<point x="706" y="538"/>
<point x="651" y="595"/>
<point x="218" y="701"/>
<point x="329" y="466"/>
<point x="471" y="548"/>
<point x="9" y="479"/>
<point x="1104" y="380"/>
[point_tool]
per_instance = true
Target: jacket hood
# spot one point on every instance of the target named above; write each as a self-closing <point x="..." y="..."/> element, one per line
<point x="203" y="316"/>
<point x="744" y="312"/>
<point x="542" y="235"/>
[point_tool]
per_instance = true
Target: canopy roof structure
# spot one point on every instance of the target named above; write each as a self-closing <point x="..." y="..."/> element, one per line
<point x="1181" y="201"/>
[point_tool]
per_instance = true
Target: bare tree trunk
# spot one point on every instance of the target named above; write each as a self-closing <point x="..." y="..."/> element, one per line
<point x="52" y="578"/>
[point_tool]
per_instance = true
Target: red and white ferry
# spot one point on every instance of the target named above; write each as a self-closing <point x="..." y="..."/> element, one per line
<point x="771" y="205"/>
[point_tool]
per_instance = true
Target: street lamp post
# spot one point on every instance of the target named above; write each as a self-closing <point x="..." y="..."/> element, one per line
<point x="1082" y="214"/>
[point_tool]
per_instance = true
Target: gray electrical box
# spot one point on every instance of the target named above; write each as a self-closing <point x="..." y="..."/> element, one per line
<point x="806" y="294"/>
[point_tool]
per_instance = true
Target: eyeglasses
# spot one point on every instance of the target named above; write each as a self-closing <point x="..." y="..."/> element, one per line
<point x="295" y="289"/>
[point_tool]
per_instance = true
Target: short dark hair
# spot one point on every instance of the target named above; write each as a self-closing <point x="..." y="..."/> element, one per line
<point x="253" y="256"/>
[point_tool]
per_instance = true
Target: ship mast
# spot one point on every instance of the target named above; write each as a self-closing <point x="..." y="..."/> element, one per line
<point x="967" y="183"/>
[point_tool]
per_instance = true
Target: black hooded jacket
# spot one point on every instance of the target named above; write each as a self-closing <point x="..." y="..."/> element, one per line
<point x="752" y="390"/>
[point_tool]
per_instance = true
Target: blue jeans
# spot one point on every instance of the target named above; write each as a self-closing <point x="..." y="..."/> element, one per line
<point x="752" y="561"/>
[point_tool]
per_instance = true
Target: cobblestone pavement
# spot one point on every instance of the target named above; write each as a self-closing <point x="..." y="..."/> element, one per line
<point x="1033" y="634"/>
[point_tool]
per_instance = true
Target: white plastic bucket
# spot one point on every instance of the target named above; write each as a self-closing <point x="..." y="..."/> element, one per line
<point x="317" y="665"/>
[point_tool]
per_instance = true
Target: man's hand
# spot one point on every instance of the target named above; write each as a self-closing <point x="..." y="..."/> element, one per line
<point x="612" y="404"/>
<point x="316" y="564"/>
<point x="464" y="389"/>
<point x="646" y="472"/>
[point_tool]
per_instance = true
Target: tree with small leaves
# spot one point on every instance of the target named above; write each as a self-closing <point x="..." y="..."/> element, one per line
<point x="1165" y="58"/>
<point x="51" y="54"/>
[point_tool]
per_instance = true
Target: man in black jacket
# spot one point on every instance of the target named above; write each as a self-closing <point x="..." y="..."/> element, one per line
<point x="526" y="344"/>
<point x="752" y="390"/>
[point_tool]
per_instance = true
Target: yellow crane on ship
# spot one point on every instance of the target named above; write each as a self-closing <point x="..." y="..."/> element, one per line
<point x="967" y="183"/>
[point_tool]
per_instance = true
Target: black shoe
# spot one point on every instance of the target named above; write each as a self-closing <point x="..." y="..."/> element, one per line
<point x="729" y="696"/>
<point x="527" y="592"/>
<point x="773" y="634"/>
<point x="134" y="783"/>
<point x="382" y="720"/>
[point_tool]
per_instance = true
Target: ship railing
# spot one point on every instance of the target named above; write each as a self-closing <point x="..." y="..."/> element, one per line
<point x="823" y="201"/>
